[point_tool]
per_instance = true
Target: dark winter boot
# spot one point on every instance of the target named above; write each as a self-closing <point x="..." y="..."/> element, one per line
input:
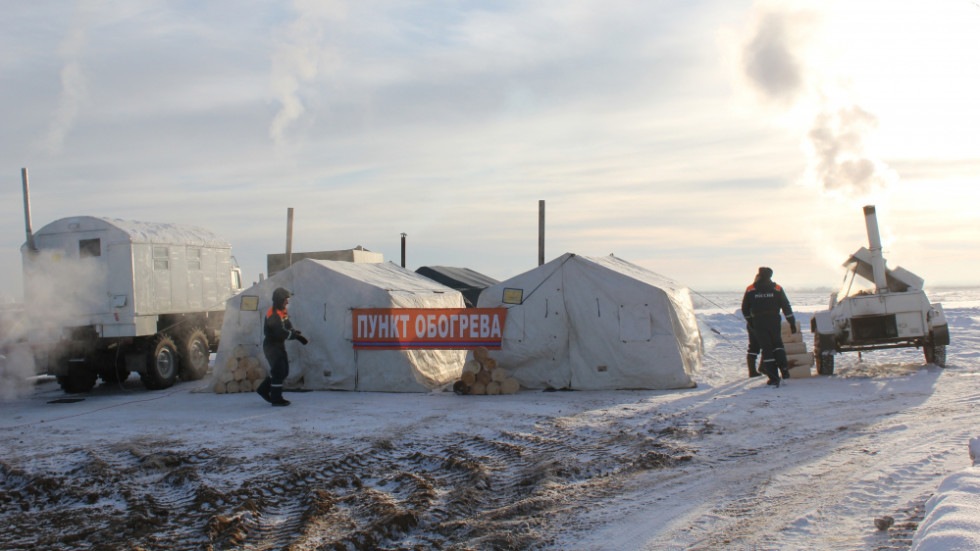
<point x="263" y="390"/>
<point x="277" y="399"/>
<point x="750" y="360"/>
<point x="770" y="371"/>
<point x="782" y="362"/>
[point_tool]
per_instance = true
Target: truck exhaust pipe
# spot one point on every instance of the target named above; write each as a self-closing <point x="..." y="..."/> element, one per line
<point x="874" y="244"/>
<point x="27" y="212"/>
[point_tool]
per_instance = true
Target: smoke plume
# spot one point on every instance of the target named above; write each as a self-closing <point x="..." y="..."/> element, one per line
<point x="777" y="62"/>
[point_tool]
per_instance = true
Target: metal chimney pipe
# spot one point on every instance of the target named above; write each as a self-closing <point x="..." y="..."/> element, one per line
<point x="403" y="250"/>
<point x="874" y="244"/>
<point x="289" y="237"/>
<point x="27" y="212"/>
<point x="540" y="232"/>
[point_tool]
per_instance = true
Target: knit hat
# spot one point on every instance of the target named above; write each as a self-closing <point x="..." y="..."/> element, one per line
<point x="765" y="273"/>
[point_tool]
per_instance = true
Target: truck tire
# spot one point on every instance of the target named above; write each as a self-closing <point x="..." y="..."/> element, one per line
<point x="162" y="363"/>
<point x="77" y="381"/>
<point x="195" y="355"/>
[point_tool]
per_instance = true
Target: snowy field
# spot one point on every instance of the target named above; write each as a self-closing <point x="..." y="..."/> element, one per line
<point x="731" y="464"/>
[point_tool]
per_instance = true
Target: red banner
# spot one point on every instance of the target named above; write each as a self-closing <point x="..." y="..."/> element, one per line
<point x="440" y="328"/>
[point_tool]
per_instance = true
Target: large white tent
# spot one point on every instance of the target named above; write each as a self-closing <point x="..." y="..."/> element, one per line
<point x="596" y="323"/>
<point x="324" y="294"/>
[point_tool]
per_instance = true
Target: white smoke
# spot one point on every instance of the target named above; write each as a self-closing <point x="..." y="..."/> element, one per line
<point x="297" y="59"/>
<point x="59" y="291"/>
<point x="73" y="82"/>
<point x="777" y="59"/>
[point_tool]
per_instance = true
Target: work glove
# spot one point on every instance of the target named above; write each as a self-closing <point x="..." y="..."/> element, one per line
<point x="792" y="324"/>
<point x="302" y="340"/>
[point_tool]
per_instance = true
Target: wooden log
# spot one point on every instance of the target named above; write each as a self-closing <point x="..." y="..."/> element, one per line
<point x="483" y="377"/>
<point x="480" y="353"/>
<point x="231" y="364"/>
<point x="459" y="387"/>
<point x="250" y="362"/>
<point x="257" y="383"/>
<point x="219" y="387"/>
<point x="499" y="374"/>
<point x="239" y="374"/>
<point x="253" y="373"/>
<point x="794" y="348"/>
<point x="241" y="351"/>
<point x="490" y="364"/>
<point x="472" y="366"/>
<point x="800" y="359"/>
<point x="478" y="388"/>
<point x="468" y="378"/>
<point x="227" y="376"/>
<point x="509" y="386"/>
<point x="233" y="387"/>
<point x="493" y="388"/>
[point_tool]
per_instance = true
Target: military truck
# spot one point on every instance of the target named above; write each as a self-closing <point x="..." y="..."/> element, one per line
<point x="878" y="308"/>
<point x="105" y="298"/>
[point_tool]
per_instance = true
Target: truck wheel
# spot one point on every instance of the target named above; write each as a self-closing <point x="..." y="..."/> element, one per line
<point x="935" y="354"/>
<point x="826" y="364"/>
<point x="162" y="364"/>
<point x="77" y="381"/>
<point x="195" y="354"/>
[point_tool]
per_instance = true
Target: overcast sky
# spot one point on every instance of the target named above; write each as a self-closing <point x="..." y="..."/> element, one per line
<point x="699" y="139"/>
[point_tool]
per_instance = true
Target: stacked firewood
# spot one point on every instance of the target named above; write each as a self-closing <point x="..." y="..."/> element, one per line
<point x="800" y="360"/>
<point x="243" y="373"/>
<point x="482" y="375"/>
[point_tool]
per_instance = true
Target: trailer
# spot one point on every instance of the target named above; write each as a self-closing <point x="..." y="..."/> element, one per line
<point x="107" y="297"/>
<point x="878" y="308"/>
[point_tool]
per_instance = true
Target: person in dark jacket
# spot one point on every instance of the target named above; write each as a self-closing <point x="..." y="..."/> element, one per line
<point x="761" y="305"/>
<point x="752" y="354"/>
<point x="278" y="329"/>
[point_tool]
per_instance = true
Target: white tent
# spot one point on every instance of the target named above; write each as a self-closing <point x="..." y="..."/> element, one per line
<point x="324" y="293"/>
<point x="596" y="323"/>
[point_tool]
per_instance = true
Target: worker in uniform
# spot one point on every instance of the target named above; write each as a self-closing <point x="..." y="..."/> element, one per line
<point x="761" y="305"/>
<point x="278" y="329"/>
<point x="752" y="355"/>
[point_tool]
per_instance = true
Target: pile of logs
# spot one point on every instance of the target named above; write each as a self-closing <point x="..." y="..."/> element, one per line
<point x="799" y="359"/>
<point x="481" y="375"/>
<point x="243" y="373"/>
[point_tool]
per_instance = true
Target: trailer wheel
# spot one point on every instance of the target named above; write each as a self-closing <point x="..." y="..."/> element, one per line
<point x="823" y="358"/>
<point x="195" y="354"/>
<point x="935" y="354"/>
<point x="162" y="364"/>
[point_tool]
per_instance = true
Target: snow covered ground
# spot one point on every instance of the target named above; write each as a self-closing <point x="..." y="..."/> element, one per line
<point x="731" y="464"/>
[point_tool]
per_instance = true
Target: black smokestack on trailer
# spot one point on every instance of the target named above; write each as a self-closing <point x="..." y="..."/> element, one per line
<point x="27" y="212"/>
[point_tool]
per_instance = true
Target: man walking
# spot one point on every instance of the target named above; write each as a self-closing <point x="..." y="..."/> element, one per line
<point x="761" y="305"/>
<point x="278" y="329"/>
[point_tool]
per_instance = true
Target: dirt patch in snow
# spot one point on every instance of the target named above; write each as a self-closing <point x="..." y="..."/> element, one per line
<point x="505" y="491"/>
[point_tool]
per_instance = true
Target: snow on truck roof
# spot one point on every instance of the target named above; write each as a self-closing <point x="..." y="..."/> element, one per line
<point x="139" y="232"/>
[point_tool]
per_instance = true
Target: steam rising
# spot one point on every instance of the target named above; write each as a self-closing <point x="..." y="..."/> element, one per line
<point x="297" y="60"/>
<point x="775" y="62"/>
<point x="73" y="83"/>
<point x="59" y="292"/>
